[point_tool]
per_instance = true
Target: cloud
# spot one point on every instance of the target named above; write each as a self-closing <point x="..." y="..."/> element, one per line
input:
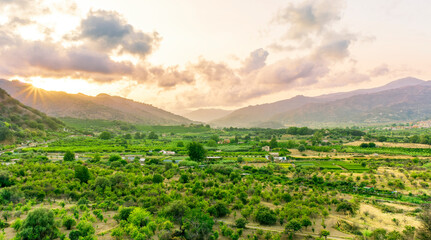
<point x="168" y="78"/>
<point x="309" y="17"/>
<point x="107" y="30"/>
<point x="380" y="71"/>
<point x="255" y="61"/>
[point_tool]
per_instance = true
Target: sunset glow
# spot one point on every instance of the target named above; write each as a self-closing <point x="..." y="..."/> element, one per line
<point x="222" y="54"/>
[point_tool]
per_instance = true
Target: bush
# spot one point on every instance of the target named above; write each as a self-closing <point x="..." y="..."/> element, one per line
<point x="39" y="224"/>
<point x="157" y="178"/>
<point x="16" y="225"/>
<point x="265" y="216"/>
<point x="68" y="222"/>
<point x="69" y="156"/>
<point x="219" y="210"/>
<point x="241" y="222"/>
<point x="82" y="173"/>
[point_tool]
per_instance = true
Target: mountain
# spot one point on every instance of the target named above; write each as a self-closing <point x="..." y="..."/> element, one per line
<point x="103" y="106"/>
<point x="206" y="115"/>
<point x="400" y="104"/>
<point x="403" y="82"/>
<point x="260" y="115"/>
<point x="18" y="120"/>
<point x="270" y="114"/>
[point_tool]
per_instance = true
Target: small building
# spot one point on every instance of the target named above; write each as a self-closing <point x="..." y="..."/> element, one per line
<point x="280" y="159"/>
<point x="164" y="152"/>
<point x="266" y="148"/>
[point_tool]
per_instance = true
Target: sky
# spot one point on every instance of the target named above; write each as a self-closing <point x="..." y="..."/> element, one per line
<point x="190" y="54"/>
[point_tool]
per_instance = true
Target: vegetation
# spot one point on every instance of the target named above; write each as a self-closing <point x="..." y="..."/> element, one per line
<point x="194" y="182"/>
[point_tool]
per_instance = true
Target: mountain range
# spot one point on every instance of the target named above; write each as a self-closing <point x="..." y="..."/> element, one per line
<point x="103" y="106"/>
<point x="206" y="115"/>
<point x="401" y="100"/>
<point x="406" y="99"/>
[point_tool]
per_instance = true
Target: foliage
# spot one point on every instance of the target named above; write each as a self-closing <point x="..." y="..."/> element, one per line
<point x="82" y="173"/>
<point x="197" y="224"/>
<point x="196" y="151"/>
<point x="68" y="222"/>
<point x="39" y="224"/>
<point x="69" y="156"/>
<point x="265" y="216"/>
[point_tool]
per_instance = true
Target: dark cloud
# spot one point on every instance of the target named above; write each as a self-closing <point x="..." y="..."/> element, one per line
<point x="108" y="30"/>
<point x="30" y="58"/>
<point x="335" y="46"/>
<point x="309" y="17"/>
<point x="255" y="61"/>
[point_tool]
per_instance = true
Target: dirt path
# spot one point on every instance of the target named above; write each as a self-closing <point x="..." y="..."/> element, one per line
<point x="302" y="233"/>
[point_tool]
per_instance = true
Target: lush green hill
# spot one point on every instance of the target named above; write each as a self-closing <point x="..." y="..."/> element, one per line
<point x="18" y="121"/>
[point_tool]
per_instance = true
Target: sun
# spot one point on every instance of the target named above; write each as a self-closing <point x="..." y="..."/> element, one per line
<point x="63" y="84"/>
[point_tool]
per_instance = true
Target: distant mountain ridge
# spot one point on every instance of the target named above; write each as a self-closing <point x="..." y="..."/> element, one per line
<point x="403" y="82"/>
<point x="324" y="109"/>
<point x="206" y="115"/>
<point x="258" y="115"/>
<point x="103" y="106"/>
<point x="400" y="104"/>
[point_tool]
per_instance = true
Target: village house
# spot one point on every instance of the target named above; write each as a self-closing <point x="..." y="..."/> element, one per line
<point x="266" y="148"/>
<point x="164" y="152"/>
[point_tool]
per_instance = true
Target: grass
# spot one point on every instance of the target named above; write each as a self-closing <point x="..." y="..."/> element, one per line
<point x="332" y="165"/>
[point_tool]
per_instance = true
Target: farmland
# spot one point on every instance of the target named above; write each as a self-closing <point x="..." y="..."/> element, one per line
<point x="101" y="177"/>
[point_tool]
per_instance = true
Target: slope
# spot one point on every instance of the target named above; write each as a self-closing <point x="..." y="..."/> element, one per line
<point x="20" y="121"/>
<point x="206" y="115"/>
<point x="401" y="104"/>
<point x="103" y="106"/>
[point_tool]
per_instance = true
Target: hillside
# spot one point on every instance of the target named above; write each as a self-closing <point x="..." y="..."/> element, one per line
<point x="395" y="105"/>
<point x="403" y="82"/>
<point x="206" y="115"/>
<point x="259" y="115"/>
<point x="284" y="112"/>
<point x="103" y="106"/>
<point x="20" y="121"/>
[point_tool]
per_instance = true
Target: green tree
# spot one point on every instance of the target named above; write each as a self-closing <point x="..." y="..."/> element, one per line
<point x="197" y="224"/>
<point x="68" y="222"/>
<point x="265" y="216"/>
<point x="324" y="233"/>
<point x="241" y="222"/>
<point x="39" y="224"/>
<point x="301" y="148"/>
<point x="157" y="178"/>
<point x="219" y="210"/>
<point x="273" y="143"/>
<point x="82" y="173"/>
<point x="105" y="135"/>
<point x="176" y="210"/>
<point x="196" y="151"/>
<point x="211" y="143"/>
<point x="69" y="156"/>
<point x="5" y="133"/>
<point x="114" y="157"/>
<point x="293" y="226"/>
<point x="153" y="135"/>
<point x="5" y="179"/>
<point x="306" y="222"/>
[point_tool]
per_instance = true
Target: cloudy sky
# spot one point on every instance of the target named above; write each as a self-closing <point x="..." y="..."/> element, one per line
<point x="184" y="55"/>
